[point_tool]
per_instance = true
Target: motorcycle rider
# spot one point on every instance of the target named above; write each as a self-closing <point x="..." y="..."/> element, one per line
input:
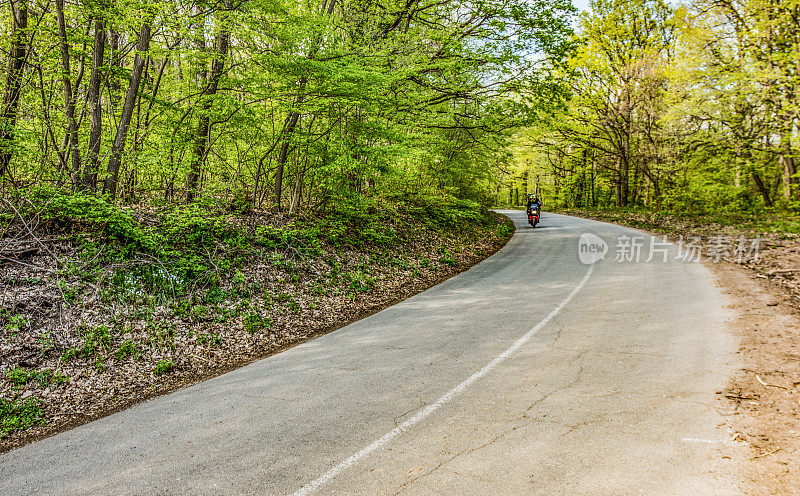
<point x="534" y="203"/>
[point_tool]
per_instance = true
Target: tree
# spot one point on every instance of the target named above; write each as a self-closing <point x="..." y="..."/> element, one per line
<point x="16" y="60"/>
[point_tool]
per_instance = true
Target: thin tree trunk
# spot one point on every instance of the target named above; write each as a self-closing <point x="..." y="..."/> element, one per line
<point x="762" y="189"/>
<point x="207" y="99"/>
<point x="288" y="128"/>
<point x="95" y="106"/>
<point x="69" y="99"/>
<point x="294" y="116"/>
<point x="112" y="177"/>
<point x="17" y="54"/>
<point x="115" y="61"/>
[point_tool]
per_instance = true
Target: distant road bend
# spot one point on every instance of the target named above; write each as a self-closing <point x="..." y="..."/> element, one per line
<point x="529" y="374"/>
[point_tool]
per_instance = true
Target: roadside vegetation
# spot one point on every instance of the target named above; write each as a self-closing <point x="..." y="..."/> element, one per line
<point x="187" y="186"/>
<point x="683" y="111"/>
<point x="105" y="305"/>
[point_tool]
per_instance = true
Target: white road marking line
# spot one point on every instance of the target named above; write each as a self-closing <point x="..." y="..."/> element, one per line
<point x="315" y="484"/>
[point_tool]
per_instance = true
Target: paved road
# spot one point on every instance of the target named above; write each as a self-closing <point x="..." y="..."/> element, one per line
<point x="529" y="374"/>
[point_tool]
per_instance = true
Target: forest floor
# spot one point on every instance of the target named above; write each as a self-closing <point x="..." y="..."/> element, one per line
<point x="93" y="321"/>
<point x="764" y="393"/>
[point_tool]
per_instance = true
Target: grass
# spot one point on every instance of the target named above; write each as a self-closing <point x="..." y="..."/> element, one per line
<point x="253" y="323"/>
<point x="16" y="323"/>
<point x="20" y="377"/>
<point x="19" y="414"/>
<point x="163" y="367"/>
<point x="128" y="349"/>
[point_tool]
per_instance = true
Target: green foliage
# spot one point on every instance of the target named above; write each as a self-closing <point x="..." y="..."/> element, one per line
<point x="69" y="292"/>
<point x="163" y="367"/>
<point x="359" y="282"/>
<point x="305" y="241"/>
<point x="128" y="349"/>
<point x="197" y="225"/>
<point x="162" y="335"/>
<point x="20" y="377"/>
<point x="19" y="414"/>
<point x="445" y="257"/>
<point x="446" y="213"/>
<point x="368" y="220"/>
<point x="209" y="339"/>
<point x="253" y="322"/>
<point x="87" y="213"/>
<point x="14" y="323"/>
<point x="96" y="340"/>
<point x="675" y="107"/>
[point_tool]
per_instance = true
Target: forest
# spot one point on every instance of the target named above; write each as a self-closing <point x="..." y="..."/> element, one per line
<point x="673" y="106"/>
<point x="293" y="106"/>
<point x="277" y="105"/>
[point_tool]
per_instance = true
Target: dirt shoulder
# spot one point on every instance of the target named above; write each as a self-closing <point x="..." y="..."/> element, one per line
<point x="761" y="400"/>
<point x="83" y="336"/>
<point x="763" y="393"/>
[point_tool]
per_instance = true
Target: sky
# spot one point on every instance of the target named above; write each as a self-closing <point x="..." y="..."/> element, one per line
<point x="581" y="4"/>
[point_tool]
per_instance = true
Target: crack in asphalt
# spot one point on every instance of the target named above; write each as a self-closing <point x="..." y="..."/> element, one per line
<point x="526" y="422"/>
<point x="420" y="404"/>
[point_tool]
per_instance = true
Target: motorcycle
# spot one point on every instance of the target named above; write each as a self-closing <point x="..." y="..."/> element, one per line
<point x="534" y="215"/>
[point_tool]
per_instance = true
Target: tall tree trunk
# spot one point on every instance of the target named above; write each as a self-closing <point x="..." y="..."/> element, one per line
<point x="115" y="62"/>
<point x="291" y="120"/>
<point x="95" y="107"/>
<point x="16" y="60"/>
<point x="112" y="177"/>
<point x="788" y="160"/>
<point x="69" y="99"/>
<point x="207" y="100"/>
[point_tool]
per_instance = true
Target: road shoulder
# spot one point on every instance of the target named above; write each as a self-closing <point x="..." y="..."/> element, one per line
<point x="763" y="392"/>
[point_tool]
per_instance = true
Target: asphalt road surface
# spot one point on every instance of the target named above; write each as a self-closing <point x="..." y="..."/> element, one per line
<point x="529" y="374"/>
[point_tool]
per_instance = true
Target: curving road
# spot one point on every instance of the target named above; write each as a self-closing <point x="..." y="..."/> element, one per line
<point x="529" y="374"/>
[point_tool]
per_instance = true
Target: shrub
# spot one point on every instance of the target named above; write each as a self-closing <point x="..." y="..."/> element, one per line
<point x="90" y="212"/>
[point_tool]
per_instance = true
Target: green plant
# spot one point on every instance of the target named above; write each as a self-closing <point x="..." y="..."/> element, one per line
<point x="200" y="313"/>
<point x="238" y="279"/>
<point x="95" y="340"/>
<point x="45" y="342"/>
<point x="91" y="213"/>
<point x="99" y="364"/>
<point x="18" y="414"/>
<point x="128" y="348"/>
<point x="208" y="339"/>
<point x="162" y="335"/>
<point x="69" y="292"/>
<point x="446" y="257"/>
<point x="17" y="376"/>
<point x="215" y="295"/>
<point x="253" y="322"/>
<point x="16" y="323"/>
<point x="163" y="367"/>
<point x="359" y="282"/>
<point x="69" y="355"/>
<point x="20" y="377"/>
